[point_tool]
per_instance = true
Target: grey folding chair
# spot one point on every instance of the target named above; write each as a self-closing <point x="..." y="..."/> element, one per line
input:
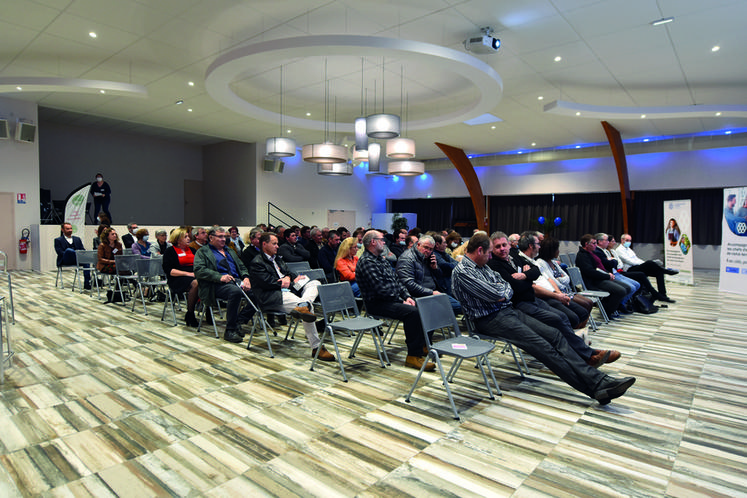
<point x="4" y="269"/>
<point x="59" y="281"/>
<point x="125" y="272"/>
<point x="565" y="259"/>
<point x="150" y="275"/>
<point x="519" y="361"/>
<point x="572" y="257"/>
<point x="338" y="298"/>
<point x="313" y="274"/>
<point x="6" y="353"/>
<point x="86" y="261"/>
<point x="436" y="314"/>
<point x="298" y="266"/>
<point x="596" y="296"/>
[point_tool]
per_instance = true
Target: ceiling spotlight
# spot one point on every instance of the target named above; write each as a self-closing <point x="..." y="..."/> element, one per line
<point x="645" y="139"/>
<point x="102" y="91"/>
<point x="308" y="114"/>
<point x="716" y="48"/>
<point x="189" y="110"/>
<point x="19" y="88"/>
<point x="540" y="97"/>
<point x="718" y="114"/>
<point x="663" y="20"/>
<point x="179" y="101"/>
<point x="558" y="58"/>
<point x="728" y="132"/>
<point x="191" y="83"/>
<point x="578" y="113"/>
<point x="492" y="127"/>
<point x="578" y="146"/>
<point x="534" y="144"/>
<point x="92" y="34"/>
<point x="643" y="116"/>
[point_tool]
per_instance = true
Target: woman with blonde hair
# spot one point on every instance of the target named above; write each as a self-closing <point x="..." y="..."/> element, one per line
<point x="346" y="261"/>
<point x="178" y="265"/>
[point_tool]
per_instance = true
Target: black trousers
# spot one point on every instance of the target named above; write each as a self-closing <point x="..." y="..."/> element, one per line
<point x="410" y="319"/>
<point x="233" y="296"/>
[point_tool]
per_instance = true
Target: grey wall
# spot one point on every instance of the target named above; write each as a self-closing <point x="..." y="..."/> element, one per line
<point x="229" y="183"/>
<point x="146" y="174"/>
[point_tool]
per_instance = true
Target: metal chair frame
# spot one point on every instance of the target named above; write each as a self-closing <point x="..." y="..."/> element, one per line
<point x="4" y="269"/>
<point x="596" y="296"/>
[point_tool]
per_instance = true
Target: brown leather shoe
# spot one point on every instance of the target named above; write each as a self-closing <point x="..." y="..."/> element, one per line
<point x="303" y="313"/>
<point x="614" y="355"/>
<point x="324" y="355"/>
<point x="599" y="357"/>
<point x="417" y="362"/>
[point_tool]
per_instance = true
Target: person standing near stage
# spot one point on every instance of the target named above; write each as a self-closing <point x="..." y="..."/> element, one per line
<point x="101" y="193"/>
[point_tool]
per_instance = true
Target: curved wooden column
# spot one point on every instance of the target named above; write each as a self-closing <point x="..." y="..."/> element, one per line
<point x="618" y="152"/>
<point x="463" y="165"/>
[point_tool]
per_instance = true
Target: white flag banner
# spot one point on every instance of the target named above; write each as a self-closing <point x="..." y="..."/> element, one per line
<point x="678" y="241"/>
<point x="75" y="209"/>
<point x="733" y="272"/>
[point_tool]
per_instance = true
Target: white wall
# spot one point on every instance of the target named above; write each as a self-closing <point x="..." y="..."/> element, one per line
<point x="307" y="196"/>
<point x="146" y="174"/>
<point x="19" y="173"/>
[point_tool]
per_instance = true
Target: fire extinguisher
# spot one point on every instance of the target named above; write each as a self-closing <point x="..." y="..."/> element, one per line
<point x="24" y="241"/>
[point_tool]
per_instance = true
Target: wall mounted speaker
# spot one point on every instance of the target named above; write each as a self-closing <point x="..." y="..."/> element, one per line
<point x="273" y="166"/>
<point x="4" y="133"/>
<point x="25" y="132"/>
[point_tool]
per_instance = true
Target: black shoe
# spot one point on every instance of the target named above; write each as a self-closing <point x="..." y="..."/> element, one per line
<point x="613" y="388"/>
<point x="670" y="271"/>
<point x="233" y="336"/>
<point x="191" y="319"/>
<point x="282" y="320"/>
<point x="207" y="318"/>
<point x="665" y="299"/>
<point x="623" y="310"/>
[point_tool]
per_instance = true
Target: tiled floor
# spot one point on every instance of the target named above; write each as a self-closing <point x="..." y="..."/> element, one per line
<point x="105" y="402"/>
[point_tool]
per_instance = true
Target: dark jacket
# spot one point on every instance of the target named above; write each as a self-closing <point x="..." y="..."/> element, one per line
<point x="609" y="264"/>
<point x="411" y="268"/>
<point x="248" y="254"/>
<point x="207" y="274"/>
<point x="588" y="268"/>
<point x="265" y="285"/>
<point x="326" y="260"/>
<point x="523" y="290"/>
<point x="60" y="245"/>
<point x="293" y="253"/>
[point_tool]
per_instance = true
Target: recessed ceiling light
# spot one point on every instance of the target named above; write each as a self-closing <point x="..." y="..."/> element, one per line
<point x="578" y="113"/>
<point x="728" y="132"/>
<point x="715" y="48"/>
<point x="540" y="97"/>
<point x="558" y="58"/>
<point x="92" y="34"/>
<point x="308" y="114"/>
<point x="288" y="131"/>
<point x="520" y="152"/>
<point x="643" y="116"/>
<point x="578" y="146"/>
<point x="179" y="101"/>
<point x="645" y="139"/>
<point x="19" y="88"/>
<point x="492" y="127"/>
<point x="718" y="114"/>
<point x="189" y="110"/>
<point x="534" y="144"/>
<point x="663" y="20"/>
<point x="191" y="83"/>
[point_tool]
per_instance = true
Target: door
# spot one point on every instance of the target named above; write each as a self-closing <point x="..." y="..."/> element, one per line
<point x="8" y="239"/>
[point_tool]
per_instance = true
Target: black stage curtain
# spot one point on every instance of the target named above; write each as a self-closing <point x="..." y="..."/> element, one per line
<point x="580" y="213"/>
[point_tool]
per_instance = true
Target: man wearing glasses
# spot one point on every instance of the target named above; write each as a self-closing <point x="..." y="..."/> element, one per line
<point x="385" y="296"/>
<point x="216" y="269"/>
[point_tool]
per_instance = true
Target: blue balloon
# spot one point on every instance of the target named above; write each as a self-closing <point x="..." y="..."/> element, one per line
<point x="557" y="221"/>
<point x="541" y="220"/>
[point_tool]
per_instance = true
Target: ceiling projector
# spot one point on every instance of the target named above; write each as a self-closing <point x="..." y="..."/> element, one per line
<point x="483" y="43"/>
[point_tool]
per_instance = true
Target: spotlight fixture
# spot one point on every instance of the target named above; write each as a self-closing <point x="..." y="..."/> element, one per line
<point x="663" y="20"/>
<point x="179" y="101"/>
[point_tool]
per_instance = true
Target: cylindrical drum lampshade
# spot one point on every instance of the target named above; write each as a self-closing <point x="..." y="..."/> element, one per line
<point x="374" y="158"/>
<point x="361" y="139"/>
<point x="406" y="168"/>
<point x="400" y="148"/>
<point x="334" y="169"/>
<point x="324" y="153"/>
<point x="280" y="147"/>
<point x="382" y="126"/>
<point x="359" y="156"/>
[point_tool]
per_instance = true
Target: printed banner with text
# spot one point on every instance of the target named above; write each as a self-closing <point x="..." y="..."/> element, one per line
<point x="678" y="241"/>
<point x="75" y="209"/>
<point x="733" y="273"/>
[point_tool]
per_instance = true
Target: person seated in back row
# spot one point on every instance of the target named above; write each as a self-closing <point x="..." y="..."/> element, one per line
<point x="65" y="246"/>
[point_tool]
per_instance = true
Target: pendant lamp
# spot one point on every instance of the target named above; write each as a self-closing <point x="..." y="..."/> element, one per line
<point x="335" y="169"/>
<point x="374" y="157"/>
<point x="406" y="168"/>
<point x="359" y="156"/>
<point x="280" y="146"/>
<point x="326" y="152"/>
<point x="401" y="147"/>
<point x="382" y="125"/>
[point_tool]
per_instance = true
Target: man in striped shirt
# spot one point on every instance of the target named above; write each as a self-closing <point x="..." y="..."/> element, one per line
<point x="486" y="299"/>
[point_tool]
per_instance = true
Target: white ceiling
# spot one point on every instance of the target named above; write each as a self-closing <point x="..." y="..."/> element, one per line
<point x="611" y="55"/>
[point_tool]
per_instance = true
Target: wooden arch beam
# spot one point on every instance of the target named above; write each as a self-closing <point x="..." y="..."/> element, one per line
<point x="463" y="165"/>
<point x="618" y="153"/>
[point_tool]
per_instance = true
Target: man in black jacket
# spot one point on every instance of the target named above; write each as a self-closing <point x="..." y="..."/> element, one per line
<point x="276" y="288"/>
<point x="292" y="251"/>
<point x="65" y="246"/>
<point x="596" y="276"/>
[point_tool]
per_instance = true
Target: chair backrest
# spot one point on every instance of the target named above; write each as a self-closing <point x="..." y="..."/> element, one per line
<point x="315" y="274"/>
<point x="572" y="257"/>
<point x="83" y="257"/>
<point x="126" y="263"/>
<point x="298" y="266"/>
<point x="149" y="270"/>
<point x="436" y="313"/>
<point x="576" y="278"/>
<point x="337" y="297"/>
<point x="566" y="259"/>
<point x="3" y="262"/>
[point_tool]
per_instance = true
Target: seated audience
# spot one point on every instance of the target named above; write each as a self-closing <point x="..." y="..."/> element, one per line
<point x="234" y="241"/>
<point x="141" y="247"/>
<point x="631" y="262"/>
<point x="399" y="244"/>
<point x="486" y="299"/>
<point x="103" y="223"/>
<point x="218" y="269"/>
<point x="521" y="273"/>
<point x="343" y="232"/>
<point x="385" y="296"/>
<point x="129" y="238"/>
<point x="161" y="244"/>
<point x="597" y="277"/>
<point x="453" y="240"/>
<point x="279" y="289"/>
<point x="315" y="244"/>
<point x="345" y="263"/>
<point x="576" y="306"/>
<point x="418" y="271"/>
<point x="65" y="246"/>
<point x="107" y="250"/>
<point x="251" y="246"/>
<point x="327" y="255"/>
<point x="178" y="265"/>
<point x="444" y="261"/>
<point x="199" y="238"/>
<point x="292" y="251"/>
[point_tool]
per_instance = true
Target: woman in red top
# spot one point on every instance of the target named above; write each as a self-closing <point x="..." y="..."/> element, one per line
<point x="346" y="261"/>
<point x="178" y="264"/>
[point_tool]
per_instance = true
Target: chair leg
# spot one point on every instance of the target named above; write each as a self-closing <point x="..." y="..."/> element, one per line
<point x="379" y="345"/>
<point x="328" y="329"/>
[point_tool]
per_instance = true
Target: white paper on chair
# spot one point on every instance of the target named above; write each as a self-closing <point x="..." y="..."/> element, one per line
<point x="301" y="282"/>
<point x="458" y="346"/>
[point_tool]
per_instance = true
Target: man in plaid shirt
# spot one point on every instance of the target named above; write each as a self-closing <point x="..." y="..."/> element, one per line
<point x="385" y="296"/>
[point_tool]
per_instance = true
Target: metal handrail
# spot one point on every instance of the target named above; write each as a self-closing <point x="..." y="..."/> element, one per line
<point x="281" y="220"/>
